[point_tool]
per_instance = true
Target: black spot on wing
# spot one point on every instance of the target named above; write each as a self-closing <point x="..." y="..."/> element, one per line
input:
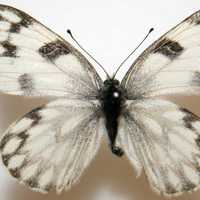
<point x="2" y="18"/>
<point x="25" y="22"/>
<point x="26" y="83"/>
<point x="15" y="172"/>
<point x="32" y="183"/>
<point x="4" y="140"/>
<point x="53" y="50"/>
<point x="198" y="141"/>
<point x="34" y="115"/>
<point x="23" y="136"/>
<point x="168" y="48"/>
<point x="10" y="49"/>
<point x="170" y="189"/>
<point x="15" y="28"/>
<point x="188" y="186"/>
<point x="5" y="159"/>
<point x="197" y="22"/>
<point x="195" y="18"/>
<point x="196" y="79"/>
<point x="48" y="187"/>
<point x="189" y="118"/>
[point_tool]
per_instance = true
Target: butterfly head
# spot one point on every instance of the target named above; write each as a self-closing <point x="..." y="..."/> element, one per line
<point x="110" y="81"/>
<point x="111" y="87"/>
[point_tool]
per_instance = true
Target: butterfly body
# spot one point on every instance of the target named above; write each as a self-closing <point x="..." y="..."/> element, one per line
<point x="112" y="101"/>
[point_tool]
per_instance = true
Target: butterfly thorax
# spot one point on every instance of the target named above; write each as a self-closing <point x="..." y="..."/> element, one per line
<point x="112" y="101"/>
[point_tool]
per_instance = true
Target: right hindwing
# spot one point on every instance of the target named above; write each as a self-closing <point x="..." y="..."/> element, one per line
<point x="164" y="140"/>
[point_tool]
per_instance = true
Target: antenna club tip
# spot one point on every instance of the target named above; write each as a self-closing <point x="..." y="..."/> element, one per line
<point x="151" y="29"/>
<point x="69" y="31"/>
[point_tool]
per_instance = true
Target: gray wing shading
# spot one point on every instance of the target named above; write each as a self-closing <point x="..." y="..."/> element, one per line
<point x="34" y="61"/>
<point x="164" y="140"/>
<point x="169" y="65"/>
<point x="52" y="145"/>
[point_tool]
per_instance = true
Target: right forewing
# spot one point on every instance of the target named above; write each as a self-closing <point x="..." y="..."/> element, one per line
<point x="171" y="65"/>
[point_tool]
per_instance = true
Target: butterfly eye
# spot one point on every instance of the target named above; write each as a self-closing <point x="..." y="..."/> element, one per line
<point x="116" y="82"/>
<point x="107" y="82"/>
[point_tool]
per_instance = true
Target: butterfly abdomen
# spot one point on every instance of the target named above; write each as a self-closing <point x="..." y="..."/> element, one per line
<point x="112" y="100"/>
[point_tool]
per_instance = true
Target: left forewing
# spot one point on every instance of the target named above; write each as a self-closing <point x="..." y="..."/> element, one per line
<point x="34" y="61"/>
<point x="170" y="65"/>
<point x="164" y="139"/>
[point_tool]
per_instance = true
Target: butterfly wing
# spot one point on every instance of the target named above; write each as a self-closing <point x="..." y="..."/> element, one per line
<point x="164" y="140"/>
<point x="34" y="61"/>
<point x="52" y="145"/>
<point x="170" y="65"/>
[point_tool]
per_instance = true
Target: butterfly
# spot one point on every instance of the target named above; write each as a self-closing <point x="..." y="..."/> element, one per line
<point x="49" y="147"/>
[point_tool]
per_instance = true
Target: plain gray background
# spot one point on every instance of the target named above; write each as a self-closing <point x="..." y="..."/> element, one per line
<point x="109" y="29"/>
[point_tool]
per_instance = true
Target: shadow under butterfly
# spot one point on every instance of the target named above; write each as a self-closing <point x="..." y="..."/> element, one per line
<point x="50" y="146"/>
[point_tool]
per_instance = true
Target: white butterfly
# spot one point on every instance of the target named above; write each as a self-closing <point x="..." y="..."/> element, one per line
<point x="52" y="145"/>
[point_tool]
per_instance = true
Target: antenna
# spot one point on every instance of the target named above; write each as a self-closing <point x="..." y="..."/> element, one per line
<point x="150" y="30"/>
<point x="70" y="33"/>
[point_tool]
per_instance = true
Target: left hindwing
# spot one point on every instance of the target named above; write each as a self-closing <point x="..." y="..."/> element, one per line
<point x="52" y="145"/>
<point x="170" y="65"/>
<point x="164" y="140"/>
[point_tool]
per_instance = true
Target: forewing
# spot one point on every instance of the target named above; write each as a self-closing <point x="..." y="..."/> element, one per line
<point x="170" y="65"/>
<point x="52" y="145"/>
<point x="34" y="61"/>
<point x="164" y="140"/>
